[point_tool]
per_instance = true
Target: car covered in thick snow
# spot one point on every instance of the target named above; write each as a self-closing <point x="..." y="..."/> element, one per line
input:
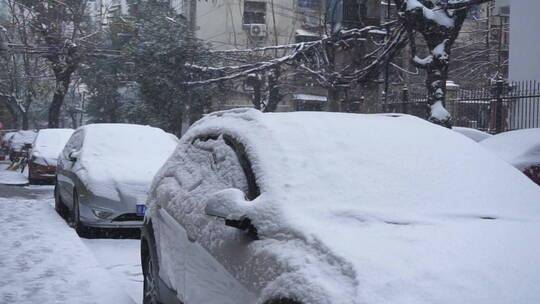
<point x="335" y="208"/>
<point x="473" y="134"/>
<point x="20" y="142"/>
<point x="44" y="154"/>
<point x="104" y="173"/>
<point x="520" y="148"/>
<point x="5" y="136"/>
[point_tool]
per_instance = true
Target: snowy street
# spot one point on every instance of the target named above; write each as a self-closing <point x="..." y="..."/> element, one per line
<point x="43" y="260"/>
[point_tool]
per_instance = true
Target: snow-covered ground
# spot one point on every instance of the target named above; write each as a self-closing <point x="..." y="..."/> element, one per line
<point x="44" y="261"/>
<point x="10" y="177"/>
<point x="122" y="259"/>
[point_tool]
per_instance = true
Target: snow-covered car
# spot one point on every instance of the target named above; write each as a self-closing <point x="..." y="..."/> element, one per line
<point x="20" y="143"/>
<point x="520" y="148"/>
<point x="104" y="173"/>
<point x="44" y="154"/>
<point x="334" y="208"/>
<point x="473" y="134"/>
<point x="6" y="136"/>
<point x="4" y="143"/>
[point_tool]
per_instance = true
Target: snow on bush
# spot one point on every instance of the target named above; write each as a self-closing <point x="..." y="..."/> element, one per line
<point x="363" y="209"/>
<point x="48" y="145"/>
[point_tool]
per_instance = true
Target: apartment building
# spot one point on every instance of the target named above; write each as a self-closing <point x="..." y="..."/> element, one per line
<point x="524" y="41"/>
<point x="240" y="24"/>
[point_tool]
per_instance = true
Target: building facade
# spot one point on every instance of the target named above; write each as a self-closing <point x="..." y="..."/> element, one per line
<point x="524" y="39"/>
<point x="241" y="24"/>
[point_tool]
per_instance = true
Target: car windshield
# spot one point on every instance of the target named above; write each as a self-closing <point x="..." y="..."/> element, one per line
<point x="119" y="142"/>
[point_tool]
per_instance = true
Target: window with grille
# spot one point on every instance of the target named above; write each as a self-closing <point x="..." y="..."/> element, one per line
<point x="254" y="12"/>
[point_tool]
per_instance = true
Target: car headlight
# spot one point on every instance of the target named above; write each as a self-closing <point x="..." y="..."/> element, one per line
<point x="101" y="213"/>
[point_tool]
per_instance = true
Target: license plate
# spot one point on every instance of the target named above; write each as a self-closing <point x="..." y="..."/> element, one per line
<point x="141" y="209"/>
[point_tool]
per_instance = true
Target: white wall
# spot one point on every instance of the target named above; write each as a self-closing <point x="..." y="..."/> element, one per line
<point x="220" y="22"/>
<point x="524" y="40"/>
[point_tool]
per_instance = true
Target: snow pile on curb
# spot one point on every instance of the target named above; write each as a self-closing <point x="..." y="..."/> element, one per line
<point x="42" y="261"/>
<point x="10" y="177"/>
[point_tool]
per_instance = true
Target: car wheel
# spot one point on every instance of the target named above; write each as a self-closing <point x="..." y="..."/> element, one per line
<point x="75" y="217"/>
<point x="150" y="273"/>
<point x="59" y="206"/>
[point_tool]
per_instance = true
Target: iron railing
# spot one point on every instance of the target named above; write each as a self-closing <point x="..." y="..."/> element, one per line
<point x="501" y="107"/>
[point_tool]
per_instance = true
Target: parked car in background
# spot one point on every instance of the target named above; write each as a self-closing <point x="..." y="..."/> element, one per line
<point x="4" y="143"/>
<point x="104" y="173"/>
<point x="44" y="154"/>
<point x="473" y="134"/>
<point x="520" y="148"/>
<point x="19" y="143"/>
<point x="313" y="208"/>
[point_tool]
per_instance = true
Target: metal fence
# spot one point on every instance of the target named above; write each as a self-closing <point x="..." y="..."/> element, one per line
<point x="501" y="107"/>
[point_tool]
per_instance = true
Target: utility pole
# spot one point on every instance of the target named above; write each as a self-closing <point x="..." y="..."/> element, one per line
<point x="192" y="15"/>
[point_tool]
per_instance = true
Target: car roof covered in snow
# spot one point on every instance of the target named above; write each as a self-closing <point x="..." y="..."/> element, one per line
<point x="415" y="212"/>
<point x="21" y="138"/>
<point x="7" y="136"/>
<point x="520" y="148"/>
<point x="473" y="134"/>
<point x="50" y="142"/>
<point x="123" y="156"/>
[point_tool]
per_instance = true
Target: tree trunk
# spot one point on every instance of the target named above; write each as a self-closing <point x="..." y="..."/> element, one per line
<point x="274" y="96"/>
<point x="437" y="75"/>
<point x="25" y="124"/>
<point x="333" y="100"/>
<point x="62" y="86"/>
<point x="255" y="82"/>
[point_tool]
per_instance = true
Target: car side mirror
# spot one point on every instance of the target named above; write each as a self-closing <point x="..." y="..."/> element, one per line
<point x="74" y="155"/>
<point x="231" y="205"/>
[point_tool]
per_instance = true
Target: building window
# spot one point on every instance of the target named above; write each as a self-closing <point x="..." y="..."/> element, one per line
<point x="309" y="4"/>
<point x="474" y="12"/>
<point x="254" y="12"/>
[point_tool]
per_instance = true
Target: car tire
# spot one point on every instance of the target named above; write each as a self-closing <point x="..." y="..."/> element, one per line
<point x="150" y="267"/>
<point x="79" y="227"/>
<point x="59" y="206"/>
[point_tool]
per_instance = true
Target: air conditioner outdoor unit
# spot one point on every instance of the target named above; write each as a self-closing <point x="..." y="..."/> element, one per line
<point x="257" y="30"/>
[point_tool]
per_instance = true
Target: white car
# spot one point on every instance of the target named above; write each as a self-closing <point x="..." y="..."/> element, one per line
<point x="104" y="173"/>
<point x="19" y="142"/>
<point x="473" y="134"/>
<point x="329" y="208"/>
<point x="520" y="148"/>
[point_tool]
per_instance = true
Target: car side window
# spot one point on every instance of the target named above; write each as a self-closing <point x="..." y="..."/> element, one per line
<point x="74" y="143"/>
<point x="219" y="163"/>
